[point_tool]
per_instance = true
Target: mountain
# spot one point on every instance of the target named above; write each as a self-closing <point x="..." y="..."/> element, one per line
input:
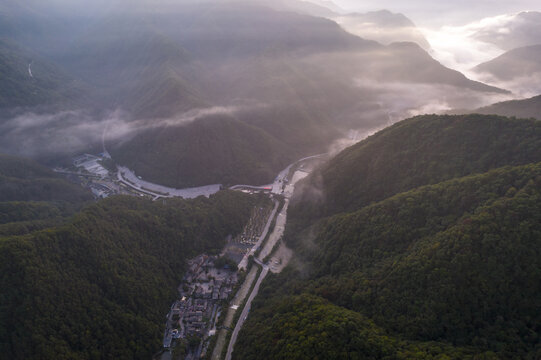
<point x="272" y="66"/>
<point x="513" y="31"/>
<point x="214" y="30"/>
<point x="410" y="154"/>
<point x="71" y="267"/>
<point x="25" y="180"/>
<point x="96" y="282"/>
<point x="422" y="68"/>
<point x="312" y="8"/>
<point x="278" y="134"/>
<point x="215" y="149"/>
<point x="527" y="108"/>
<point x="32" y="197"/>
<point x="462" y="194"/>
<point x="384" y="27"/>
<point x="520" y="62"/>
<point x="329" y="5"/>
<point x="442" y="281"/>
<point x="136" y="68"/>
<point x="222" y="148"/>
<point x="30" y="81"/>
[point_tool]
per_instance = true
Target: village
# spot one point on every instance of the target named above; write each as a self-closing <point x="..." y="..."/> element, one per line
<point x="215" y="293"/>
<point x="206" y="286"/>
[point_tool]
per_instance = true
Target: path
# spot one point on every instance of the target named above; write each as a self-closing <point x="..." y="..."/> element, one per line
<point x="245" y="311"/>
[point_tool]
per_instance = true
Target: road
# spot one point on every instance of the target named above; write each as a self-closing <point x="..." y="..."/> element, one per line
<point x="237" y="301"/>
<point x="127" y="176"/>
<point x="276" y="186"/>
<point x="251" y="187"/>
<point x="273" y="239"/>
<point x="279" y="181"/>
<point x="246" y="310"/>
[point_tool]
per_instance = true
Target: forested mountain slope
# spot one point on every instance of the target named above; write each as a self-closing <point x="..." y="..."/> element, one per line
<point x="527" y="108"/>
<point x="422" y="150"/>
<point x="25" y="180"/>
<point x="216" y="149"/>
<point x="407" y="270"/>
<point x="29" y="80"/>
<point x="99" y="286"/>
<point x="83" y="280"/>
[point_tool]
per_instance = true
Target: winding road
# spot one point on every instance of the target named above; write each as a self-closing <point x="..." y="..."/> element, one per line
<point x="273" y="239"/>
<point x="246" y="310"/>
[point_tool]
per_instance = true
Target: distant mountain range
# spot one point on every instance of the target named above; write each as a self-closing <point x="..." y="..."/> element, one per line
<point x="158" y="66"/>
<point x="329" y="5"/>
<point x="516" y="63"/>
<point x="528" y="108"/>
<point x="383" y="26"/>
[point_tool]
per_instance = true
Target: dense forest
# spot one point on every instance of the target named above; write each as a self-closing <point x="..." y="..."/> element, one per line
<point x="527" y="108"/>
<point x="96" y="282"/>
<point x="21" y="88"/>
<point x="439" y="260"/>
<point x="213" y="150"/>
<point x="25" y="180"/>
<point x="99" y="286"/>
<point x="422" y="150"/>
<point x="33" y="197"/>
<point x="224" y="148"/>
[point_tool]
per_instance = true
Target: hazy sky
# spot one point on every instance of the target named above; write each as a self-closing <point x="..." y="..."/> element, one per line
<point x="436" y="13"/>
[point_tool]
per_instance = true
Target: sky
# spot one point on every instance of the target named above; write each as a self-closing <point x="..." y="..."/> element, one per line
<point x="436" y="13"/>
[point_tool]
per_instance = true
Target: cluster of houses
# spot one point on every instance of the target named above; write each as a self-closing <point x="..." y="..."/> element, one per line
<point x="205" y="287"/>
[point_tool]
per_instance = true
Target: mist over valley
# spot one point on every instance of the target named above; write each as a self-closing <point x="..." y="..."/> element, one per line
<point x="256" y="179"/>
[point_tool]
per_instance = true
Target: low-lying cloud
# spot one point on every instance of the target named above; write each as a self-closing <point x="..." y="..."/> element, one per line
<point x="459" y="48"/>
<point x="69" y="132"/>
<point x="403" y="100"/>
<point x="521" y="86"/>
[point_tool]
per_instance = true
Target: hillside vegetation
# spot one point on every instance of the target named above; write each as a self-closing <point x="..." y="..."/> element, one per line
<point x="421" y="264"/>
<point x="85" y="280"/>
<point x="227" y="149"/>
<point x="43" y="84"/>
<point x="527" y="108"/>
<point x="216" y="149"/>
<point x="100" y="285"/>
<point x="419" y="151"/>
<point x="26" y="180"/>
